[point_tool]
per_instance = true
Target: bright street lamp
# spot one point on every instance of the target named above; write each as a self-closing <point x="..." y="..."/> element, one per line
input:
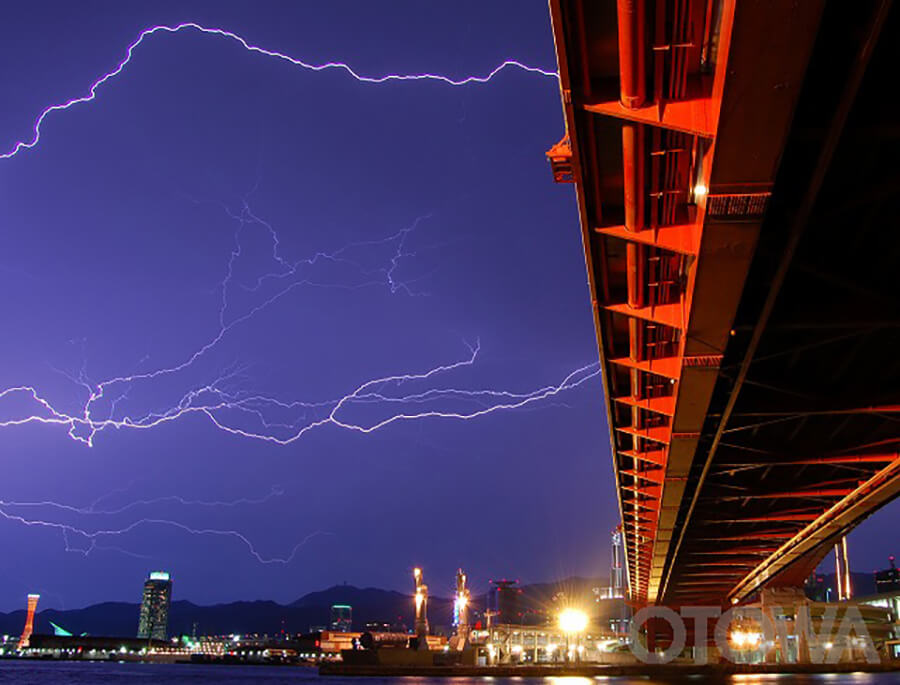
<point x="573" y="621"/>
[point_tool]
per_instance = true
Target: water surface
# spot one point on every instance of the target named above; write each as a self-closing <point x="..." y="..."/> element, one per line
<point x="84" y="673"/>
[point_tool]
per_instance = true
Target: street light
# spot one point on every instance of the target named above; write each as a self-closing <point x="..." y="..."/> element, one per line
<point x="572" y="622"/>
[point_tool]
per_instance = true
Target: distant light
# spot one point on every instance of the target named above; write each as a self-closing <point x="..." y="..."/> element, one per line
<point x="572" y="620"/>
<point x="829" y="645"/>
<point x="700" y="190"/>
<point x="159" y="575"/>
<point x="734" y="600"/>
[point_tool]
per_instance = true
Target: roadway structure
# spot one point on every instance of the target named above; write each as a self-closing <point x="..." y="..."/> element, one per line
<point x="736" y="171"/>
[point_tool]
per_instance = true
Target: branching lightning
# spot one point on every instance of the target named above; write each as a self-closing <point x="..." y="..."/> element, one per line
<point x="213" y="399"/>
<point x="221" y="33"/>
<point x="368" y="405"/>
<point x="92" y="536"/>
<point x="277" y="420"/>
<point x="276" y="491"/>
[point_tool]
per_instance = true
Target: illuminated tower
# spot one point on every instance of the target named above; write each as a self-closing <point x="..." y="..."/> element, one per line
<point x="421" y="599"/>
<point x="154" y="621"/>
<point x="461" y="610"/>
<point x="461" y="603"/>
<point x="842" y="570"/>
<point x="615" y="572"/>
<point x="29" y="621"/>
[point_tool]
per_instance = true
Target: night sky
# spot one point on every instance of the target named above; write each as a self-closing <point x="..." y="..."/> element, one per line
<point x="361" y="231"/>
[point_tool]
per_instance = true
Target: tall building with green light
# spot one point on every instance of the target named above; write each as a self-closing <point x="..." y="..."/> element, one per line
<point x="341" y="618"/>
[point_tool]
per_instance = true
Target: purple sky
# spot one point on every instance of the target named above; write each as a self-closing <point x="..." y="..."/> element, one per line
<point x="117" y="232"/>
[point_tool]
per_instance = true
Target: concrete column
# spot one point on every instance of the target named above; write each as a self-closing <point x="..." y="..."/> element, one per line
<point x="765" y="603"/>
<point x="802" y="626"/>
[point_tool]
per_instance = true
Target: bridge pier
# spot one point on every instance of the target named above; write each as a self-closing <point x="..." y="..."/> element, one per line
<point x="651" y="627"/>
<point x="802" y="618"/>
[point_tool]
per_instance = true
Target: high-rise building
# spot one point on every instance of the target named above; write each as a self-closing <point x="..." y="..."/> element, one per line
<point x="816" y="588"/>
<point x="29" y="621"/>
<point x="341" y="618"/>
<point x="503" y="601"/>
<point x="154" y="622"/>
<point x="889" y="579"/>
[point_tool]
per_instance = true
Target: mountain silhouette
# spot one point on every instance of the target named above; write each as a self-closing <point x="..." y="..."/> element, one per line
<point x="313" y="609"/>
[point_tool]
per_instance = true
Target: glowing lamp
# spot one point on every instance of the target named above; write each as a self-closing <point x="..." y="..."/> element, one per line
<point x="572" y="621"/>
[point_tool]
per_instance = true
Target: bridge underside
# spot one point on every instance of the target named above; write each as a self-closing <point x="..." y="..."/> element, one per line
<point x="736" y="176"/>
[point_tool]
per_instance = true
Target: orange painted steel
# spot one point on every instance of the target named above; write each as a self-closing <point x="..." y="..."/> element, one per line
<point x="663" y="303"/>
<point x="632" y="49"/>
<point x="560" y="158"/>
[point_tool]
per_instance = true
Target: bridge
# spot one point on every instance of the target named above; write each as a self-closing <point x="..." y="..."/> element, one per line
<point x="736" y="171"/>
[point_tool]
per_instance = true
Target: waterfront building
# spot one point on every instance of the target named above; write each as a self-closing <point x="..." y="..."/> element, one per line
<point x="889" y="579"/>
<point x="888" y="600"/>
<point x="154" y="619"/>
<point x="806" y="631"/>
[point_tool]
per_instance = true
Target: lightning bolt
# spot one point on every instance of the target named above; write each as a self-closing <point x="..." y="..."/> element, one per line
<point x="222" y="33"/>
<point x="220" y="402"/>
<point x="276" y="491"/>
<point x="229" y="410"/>
<point x="93" y="536"/>
<point x="361" y="394"/>
<point x="83" y="426"/>
<point x="369" y="406"/>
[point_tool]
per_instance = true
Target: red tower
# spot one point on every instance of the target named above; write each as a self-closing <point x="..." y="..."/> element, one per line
<point x="29" y="621"/>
